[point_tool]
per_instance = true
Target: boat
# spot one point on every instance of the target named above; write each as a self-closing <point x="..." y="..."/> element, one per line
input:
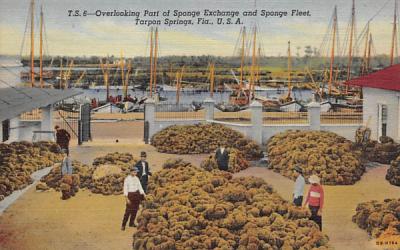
<point x="224" y="107"/>
<point x="285" y="102"/>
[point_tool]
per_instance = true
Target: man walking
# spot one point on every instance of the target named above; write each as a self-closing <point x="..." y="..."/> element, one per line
<point x="315" y="200"/>
<point x="298" y="187"/>
<point x="134" y="194"/>
<point x="144" y="170"/>
<point x="62" y="138"/>
<point x="222" y="157"/>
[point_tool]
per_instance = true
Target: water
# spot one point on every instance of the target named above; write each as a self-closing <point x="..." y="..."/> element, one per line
<point x="10" y="72"/>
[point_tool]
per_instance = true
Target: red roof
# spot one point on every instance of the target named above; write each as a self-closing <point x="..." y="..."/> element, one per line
<point x="388" y="78"/>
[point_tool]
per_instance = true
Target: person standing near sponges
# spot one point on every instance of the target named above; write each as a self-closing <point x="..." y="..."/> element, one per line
<point x="222" y="157"/>
<point x="134" y="194"/>
<point x="298" y="186"/>
<point x="144" y="170"/>
<point x="315" y="200"/>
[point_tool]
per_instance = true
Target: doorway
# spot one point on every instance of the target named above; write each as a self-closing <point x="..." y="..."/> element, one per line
<point x="382" y="120"/>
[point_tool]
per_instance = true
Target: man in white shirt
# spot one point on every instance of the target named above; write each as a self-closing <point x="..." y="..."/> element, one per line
<point x="133" y="193"/>
<point x="144" y="170"/>
<point x="298" y="187"/>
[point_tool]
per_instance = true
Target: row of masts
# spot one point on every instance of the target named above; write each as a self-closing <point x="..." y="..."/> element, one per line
<point x="368" y="45"/>
<point x="254" y="69"/>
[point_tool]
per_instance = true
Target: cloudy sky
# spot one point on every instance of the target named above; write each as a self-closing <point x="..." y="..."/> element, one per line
<point x="93" y="35"/>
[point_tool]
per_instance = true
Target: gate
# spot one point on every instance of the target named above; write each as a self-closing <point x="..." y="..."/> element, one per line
<point x="6" y="130"/>
<point x="84" y="124"/>
<point x="146" y="132"/>
<point x="77" y="123"/>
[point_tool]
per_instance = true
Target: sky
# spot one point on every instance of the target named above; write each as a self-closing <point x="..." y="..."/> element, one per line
<point x="91" y="35"/>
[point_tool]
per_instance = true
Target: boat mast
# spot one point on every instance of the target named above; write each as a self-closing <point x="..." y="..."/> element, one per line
<point x="242" y="59"/>
<point x="364" y="65"/>
<point x="289" y="72"/>
<point x="32" y="44"/>
<point x="369" y="54"/>
<point x="41" y="46"/>
<point x="122" y="66"/>
<point x="258" y="63"/>
<point x="212" y="79"/>
<point x="155" y="60"/>
<point x="253" y="63"/>
<point x="351" y="45"/>
<point x="126" y="82"/>
<point x="394" y="33"/>
<point x="332" y="51"/>
<point x="151" y="62"/>
<point x="104" y="68"/>
<point x="61" y="72"/>
<point x="178" y="83"/>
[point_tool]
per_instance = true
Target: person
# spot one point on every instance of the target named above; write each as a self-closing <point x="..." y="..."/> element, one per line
<point x="66" y="164"/>
<point x="298" y="186"/>
<point x="62" y="138"/>
<point x="315" y="200"/>
<point x="69" y="182"/>
<point x="134" y="194"/>
<point x="144" y="170"/>
<point x="222" y="157"/>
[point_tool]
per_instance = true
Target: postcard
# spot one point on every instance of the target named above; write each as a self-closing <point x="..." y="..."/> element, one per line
<point x="172" y="124"/>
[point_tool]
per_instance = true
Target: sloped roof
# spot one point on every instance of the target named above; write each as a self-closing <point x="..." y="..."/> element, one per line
<point x="15" y="101"/>
<point x="388" y="78"/>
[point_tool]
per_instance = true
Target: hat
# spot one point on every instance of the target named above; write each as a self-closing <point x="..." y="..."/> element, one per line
<point x="143" y="154"/>
<point x="135" y="169"/>
<point x="313" y="179"/>
<point x="298" y="169"/>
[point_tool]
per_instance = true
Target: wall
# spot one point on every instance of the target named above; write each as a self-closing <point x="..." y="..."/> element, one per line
<point x="271" y="130"/>
<point x="255" y="130"/>
<point x="245" y="129"/>
<point x="373" y="97"/>
<point x="347" y="131"/>
<point x="160" y="125"/>
<point x="21" y="130"/>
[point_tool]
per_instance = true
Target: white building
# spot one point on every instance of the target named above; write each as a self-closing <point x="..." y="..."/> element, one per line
<point x="18" y="125"/>
<point x="381" y="104"/>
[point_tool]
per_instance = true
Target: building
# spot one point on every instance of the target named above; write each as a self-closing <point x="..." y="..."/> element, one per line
<point x="381" y="101"/>
<point x="26" y="114"/>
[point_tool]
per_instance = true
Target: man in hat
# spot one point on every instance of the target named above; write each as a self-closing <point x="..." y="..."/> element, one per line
<point x="222" y="157"/>
<point x="144" y="170"/>
<point x="62" y="138"/>
<point x="298" y="186"/>
<point x="134" y="194"/>
<point x="315" y="200"/>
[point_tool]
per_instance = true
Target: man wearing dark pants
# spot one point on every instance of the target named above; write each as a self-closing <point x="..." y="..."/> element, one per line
<point x="133" y="193"/>
<point x="298" y="187"/>
<point x="144" y="170"/>
<point x="222" y="157"/>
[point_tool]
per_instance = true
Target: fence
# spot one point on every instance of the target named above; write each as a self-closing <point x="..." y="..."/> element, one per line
<point x="241" y="116"/>
<point x="172" y="111"/>
<point x="67" y="120"/>
<point x="285" y="118"/>
<point x="253" y="122"/>
<point x="346" y="117"/>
